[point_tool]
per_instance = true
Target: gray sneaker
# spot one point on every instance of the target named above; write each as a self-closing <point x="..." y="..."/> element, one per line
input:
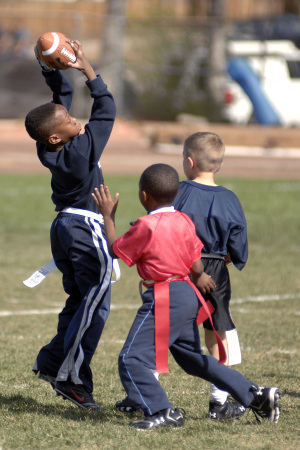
<point x="265" y="403"/>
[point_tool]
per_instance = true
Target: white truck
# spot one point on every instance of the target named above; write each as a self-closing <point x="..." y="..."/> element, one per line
<point x="263" y="83"/>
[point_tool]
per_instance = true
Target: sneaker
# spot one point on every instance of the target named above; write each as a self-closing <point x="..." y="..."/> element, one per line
<point x="229" y="410"/>
<point x="77" y="394"/>
<point x="125" y="405"/>
<point x="48" y="378"/>
<point x="167" y="417"/>
<point x="265" y="403"/>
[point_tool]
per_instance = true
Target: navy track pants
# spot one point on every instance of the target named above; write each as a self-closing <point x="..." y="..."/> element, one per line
<point x="80" y="253"/>
<point x="137" y="358"/>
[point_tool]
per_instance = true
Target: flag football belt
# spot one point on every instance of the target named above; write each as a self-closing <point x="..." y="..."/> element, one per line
<point x="162" y="319"/>
<point x="85" y="213"/>
<point x="39" y="276"/>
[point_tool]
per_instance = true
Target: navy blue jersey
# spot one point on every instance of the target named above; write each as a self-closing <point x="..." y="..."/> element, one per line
<point x="218" y="217"/>
<point x="75" y="168"/>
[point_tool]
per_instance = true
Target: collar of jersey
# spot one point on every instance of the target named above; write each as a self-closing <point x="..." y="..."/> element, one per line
<point x="162" y="210"/>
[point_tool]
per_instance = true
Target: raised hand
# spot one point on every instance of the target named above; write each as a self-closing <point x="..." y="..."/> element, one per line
<point x="107" y="206"/>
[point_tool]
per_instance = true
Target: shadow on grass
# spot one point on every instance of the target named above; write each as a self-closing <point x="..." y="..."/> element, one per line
<point x="293" y="394"/>
<point x="18" y="404"/>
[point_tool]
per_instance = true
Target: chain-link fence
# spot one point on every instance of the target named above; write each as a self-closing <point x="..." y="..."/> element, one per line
<point x="164" y="68"/>
<point x="155" y="68"/>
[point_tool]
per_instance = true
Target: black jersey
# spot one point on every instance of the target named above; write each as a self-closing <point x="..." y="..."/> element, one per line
<point x="75" y="168"/>
<point x="218" y="217"/>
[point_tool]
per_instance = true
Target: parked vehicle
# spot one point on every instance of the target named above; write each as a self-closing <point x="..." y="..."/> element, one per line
<point x="263" y="83"/>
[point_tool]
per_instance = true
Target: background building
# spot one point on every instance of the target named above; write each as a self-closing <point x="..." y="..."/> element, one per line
<point x="160" y="58"/>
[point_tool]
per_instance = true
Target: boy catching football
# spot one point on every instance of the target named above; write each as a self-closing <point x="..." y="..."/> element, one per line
<point x="77" y="236"/>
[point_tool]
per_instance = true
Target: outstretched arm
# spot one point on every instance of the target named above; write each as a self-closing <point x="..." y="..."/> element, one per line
<point x="60" y="86"/>
<point x="58" y="83"/>
<point x="107" y="207"/>
<point x="103" y="113"/>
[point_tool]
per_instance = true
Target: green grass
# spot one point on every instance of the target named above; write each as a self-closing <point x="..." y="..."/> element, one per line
<point x="32" y="417"/>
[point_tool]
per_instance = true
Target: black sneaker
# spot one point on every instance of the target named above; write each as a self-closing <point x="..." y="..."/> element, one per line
<point x="48" y="378"/>
<point x="229" y="410"/>
<point x="265" y="403"/>
<point x="125" y="405"/>
<point x="77" y="394"/>
<point x="167" y="417"/>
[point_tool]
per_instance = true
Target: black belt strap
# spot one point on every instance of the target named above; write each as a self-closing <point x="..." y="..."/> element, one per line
<point x="212" y="256"/>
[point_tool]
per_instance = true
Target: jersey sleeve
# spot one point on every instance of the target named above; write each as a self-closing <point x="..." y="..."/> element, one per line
<point x="237" y="243"/>
<point x="61" y="88"/>
<point x="90" y="145"/>
<point x="196" y="244"/>
<point x="101" y="121"/>
<point x="132" y="244"/>
<point x="238" y="246"/>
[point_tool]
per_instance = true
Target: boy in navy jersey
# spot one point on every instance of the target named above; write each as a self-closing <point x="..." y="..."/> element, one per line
<point x="221" y="225"/>
<point x="77" y="241"/>
<point x="166" y="250"/>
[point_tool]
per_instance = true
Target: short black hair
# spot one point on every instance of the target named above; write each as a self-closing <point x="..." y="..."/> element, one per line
<point x="161" y="181"/>
<point x="39" y="122"/>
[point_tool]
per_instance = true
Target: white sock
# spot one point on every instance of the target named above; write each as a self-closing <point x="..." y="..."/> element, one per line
<point x="216" y="395"/>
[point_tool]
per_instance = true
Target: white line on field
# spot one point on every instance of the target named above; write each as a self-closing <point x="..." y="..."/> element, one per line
<point x="55" y="311"/>
<point x="262" y="298"/>
<point x="29" y="312"/>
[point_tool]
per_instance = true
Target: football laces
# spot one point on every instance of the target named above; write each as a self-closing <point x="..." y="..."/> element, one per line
<point x="68" y="54"/>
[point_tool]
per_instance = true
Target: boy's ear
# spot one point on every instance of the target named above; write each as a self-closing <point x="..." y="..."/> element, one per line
<point x="191" y="162"/>
<point x="54" y="139"/>
<point x="144" y="196"/>
<point x="146" y="200"/>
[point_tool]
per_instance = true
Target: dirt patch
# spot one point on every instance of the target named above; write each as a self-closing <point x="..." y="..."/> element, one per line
<point x="132" y="147"/>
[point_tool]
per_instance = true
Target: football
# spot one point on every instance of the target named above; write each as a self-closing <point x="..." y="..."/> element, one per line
<point x="55" y="50"/>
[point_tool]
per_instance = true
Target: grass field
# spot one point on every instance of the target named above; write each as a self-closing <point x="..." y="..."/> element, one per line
<point x="265" y="308"/>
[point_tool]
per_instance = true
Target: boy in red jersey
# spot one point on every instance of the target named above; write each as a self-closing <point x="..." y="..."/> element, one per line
<point x="164" y="246"/>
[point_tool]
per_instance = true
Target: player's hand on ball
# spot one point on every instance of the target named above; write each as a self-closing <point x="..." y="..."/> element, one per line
<point x="206" y="284"/>
<point x="106" y="205"/>
<point x="43" y="65"/>
<point x="77" y="48"/>
<point x="81" y="62"/>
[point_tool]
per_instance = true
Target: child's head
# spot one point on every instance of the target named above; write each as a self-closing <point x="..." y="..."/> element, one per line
<point x="51" y="124"/>
<point x="160" y="183"/>
<point x="207" y="151"/>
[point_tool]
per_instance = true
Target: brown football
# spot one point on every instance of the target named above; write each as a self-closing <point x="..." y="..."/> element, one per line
<point x="56" y="50"/>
